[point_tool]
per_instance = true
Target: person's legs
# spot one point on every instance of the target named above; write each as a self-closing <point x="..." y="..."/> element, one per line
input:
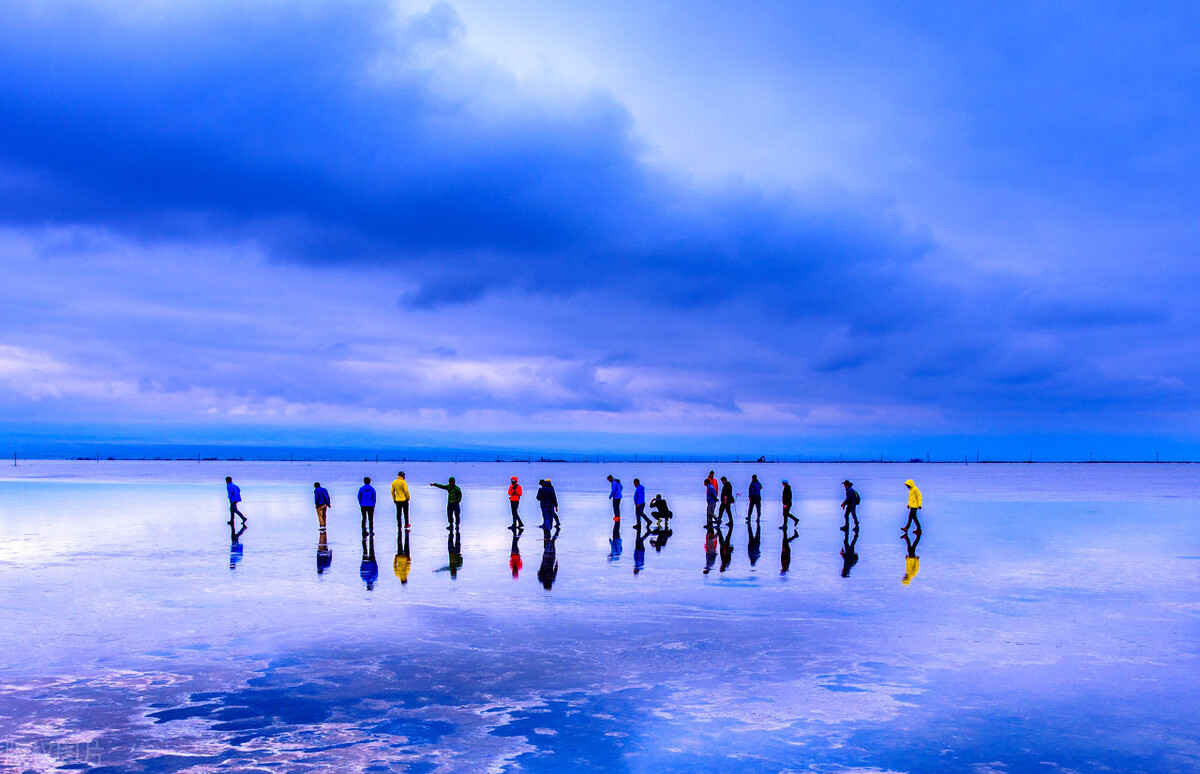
<point x="912" y="517"/>
<point x="399" y="512"/>
<point x="371" y="517"/>
<point x="516" y="517"/>
<point x="616" y="508"/>
<point x="755" y="502"/>
<point x="321" y="509"/>
<point x="456" y="513"/>
<point x="712" y="511"/>
<point x="404" y="509"/>
<point x="852" y="514"/>
<point x="363" y="510"/>
<point x="233" y="511"/>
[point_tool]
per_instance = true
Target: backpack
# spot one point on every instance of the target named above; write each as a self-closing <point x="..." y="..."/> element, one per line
<point x="857" y="498"/>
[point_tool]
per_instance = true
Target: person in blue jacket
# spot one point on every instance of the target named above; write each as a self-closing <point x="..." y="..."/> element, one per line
<point x="235" y="497"/>
<point x="366" y="503"/>
<point x="639" y="502"/>
<point x="755" y="492"/>
<point x="710" y="495"/>
<point x="615" y="496"/>
<point x="321" y="498"/>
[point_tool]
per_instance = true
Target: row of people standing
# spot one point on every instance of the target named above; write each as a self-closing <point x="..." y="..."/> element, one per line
<point x="716" y="493"/>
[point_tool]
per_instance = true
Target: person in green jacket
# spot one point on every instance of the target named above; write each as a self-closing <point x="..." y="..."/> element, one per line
<point x="453" y="502"/>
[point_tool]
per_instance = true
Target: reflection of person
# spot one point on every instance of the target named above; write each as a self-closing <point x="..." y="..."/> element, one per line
<point x="402" y="562"/>
<point x="755" y="493"/>
<point x="614" y="543"/>
<point x="514" y="500"/>
<point x="614" y="494"/>
<point x="401" y="496"/>
<point x="726" y="500"/>
<point x="324" y="555"/>
<point x="726" y="541"/>
<point x="235" y="546"/>
<point x="850" y="505"/>
<point x="710" y="546"/>
<point x="787" y="504"/>
<point x="368" y="570"/>
<point x="639" y="548"/>
<point x="849" y="555"/>
<point x="912" y="562"/>
<point x="548" y="571"/>
<point x="235" y="497"/>
<point x="453" y="552"/>
<point x="549" y="502"/>
<point x="639" y="501"/>
<point x="321" y="498"/>
<point x="785" y="553"/>
<point x="366" y="504"/>
<point x="753" y="540"/>
<point x="662" y="533"/>
<point x="914" y="505"/>
<point x="453" y="501"/>
<point x="514" y="555"/>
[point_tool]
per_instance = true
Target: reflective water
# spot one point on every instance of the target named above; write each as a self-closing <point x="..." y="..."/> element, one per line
<point x="1046" y="620"/>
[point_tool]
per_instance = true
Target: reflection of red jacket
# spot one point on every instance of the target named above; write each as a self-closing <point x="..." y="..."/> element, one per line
<point x="514" y="561"/>
<point x="514" y="492"/>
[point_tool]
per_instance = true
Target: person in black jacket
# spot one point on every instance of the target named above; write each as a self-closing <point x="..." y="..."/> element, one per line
<point x="549" y="502"/>
<point x="850" y="506"/>
<point x="726" y="500"/>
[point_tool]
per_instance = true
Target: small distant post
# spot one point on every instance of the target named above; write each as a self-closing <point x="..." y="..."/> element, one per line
<point x="14" y="459"/>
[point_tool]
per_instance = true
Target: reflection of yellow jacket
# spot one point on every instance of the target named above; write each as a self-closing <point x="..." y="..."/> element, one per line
<point x="399" y="490"/>
<point x="912" y="566"/>
<point x="400" y="566"/>
<point x="914" y="494"/>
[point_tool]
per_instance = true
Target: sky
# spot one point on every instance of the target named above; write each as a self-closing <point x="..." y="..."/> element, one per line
<point x="860" y="228"/>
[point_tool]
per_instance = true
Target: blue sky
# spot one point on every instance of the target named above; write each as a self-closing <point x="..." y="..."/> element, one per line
<point x="786" y="227"/>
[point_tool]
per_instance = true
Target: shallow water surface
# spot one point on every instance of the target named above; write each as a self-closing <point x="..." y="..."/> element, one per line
<point x="1047" y="620"/>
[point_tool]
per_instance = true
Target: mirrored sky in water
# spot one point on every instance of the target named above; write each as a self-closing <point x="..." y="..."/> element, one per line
<point x="1049" y="622"/>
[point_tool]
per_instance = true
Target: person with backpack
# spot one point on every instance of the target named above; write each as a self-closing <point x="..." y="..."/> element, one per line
<point x="755" y="492"/>
<point x="850" y="505"/>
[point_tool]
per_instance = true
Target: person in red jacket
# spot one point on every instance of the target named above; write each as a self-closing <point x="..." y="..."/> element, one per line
<point x="514" y="500"/>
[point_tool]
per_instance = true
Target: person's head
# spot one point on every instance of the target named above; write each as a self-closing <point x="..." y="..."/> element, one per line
<point x="707" y="481"/>
<point x="316" y="485"/>
<point x="785" y="483"/>
<point x="847" y="484"/>
<point x="724" y="480"/>
<point x="366" y="479"/>
<point x="452" y="479"/>
<point x="228" y="479"/>
<point x="514" y="479"/>
<point x="610" y="478"/>
<point x="541" y="482"/>
<point x="753" y="477"/>
<point x="712" y="473"/>
<point x="400" y="474"/>
<point x="910" y="483"/>
<point x="637" y="482"/>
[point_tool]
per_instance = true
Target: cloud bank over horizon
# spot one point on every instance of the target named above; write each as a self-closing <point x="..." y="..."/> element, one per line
<point x="241" y="220"/>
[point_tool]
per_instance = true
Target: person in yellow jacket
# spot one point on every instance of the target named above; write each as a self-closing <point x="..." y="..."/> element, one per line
<point x="400" y="496"/>
<point x="914" y="505"/>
